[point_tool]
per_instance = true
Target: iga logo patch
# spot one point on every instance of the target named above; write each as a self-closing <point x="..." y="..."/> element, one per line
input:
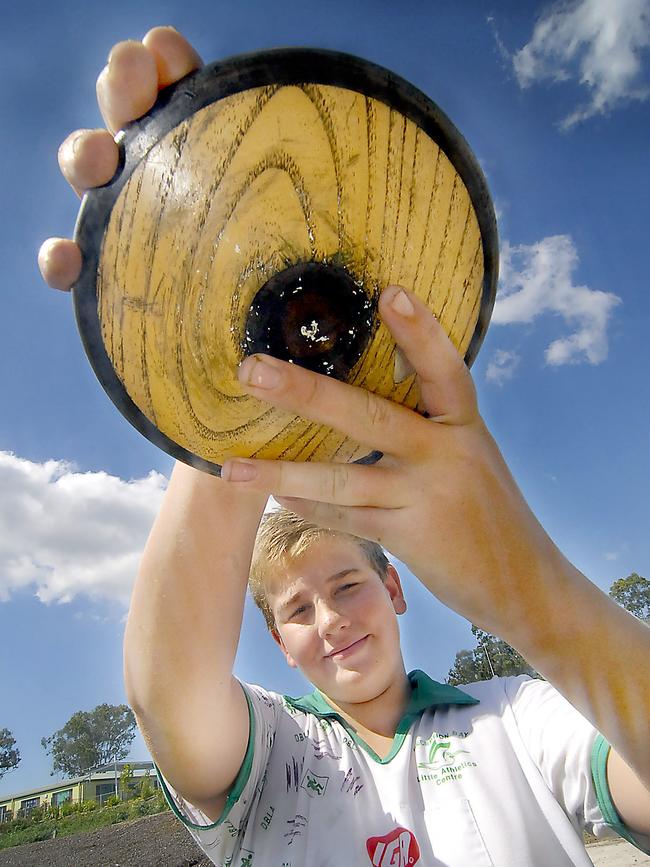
<point x="397" y="849"/>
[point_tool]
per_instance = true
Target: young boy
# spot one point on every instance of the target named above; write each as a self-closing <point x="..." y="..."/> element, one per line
<point x="376" y="766"/>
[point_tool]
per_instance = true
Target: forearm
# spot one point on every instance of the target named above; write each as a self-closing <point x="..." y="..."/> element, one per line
<point x="517" y="584"/>
<point x="593" y="651"/>
<point x="186" y="609"/>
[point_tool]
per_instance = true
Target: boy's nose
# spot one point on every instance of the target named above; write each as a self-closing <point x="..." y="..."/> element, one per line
<point x="329" y="620"/>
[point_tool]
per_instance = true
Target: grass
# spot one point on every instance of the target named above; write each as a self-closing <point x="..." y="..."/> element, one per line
<point x="22" y="831"/>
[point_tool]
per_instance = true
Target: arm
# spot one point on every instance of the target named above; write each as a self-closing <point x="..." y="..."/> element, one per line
<point x="182" y="635"/>
<point x="187" y="603"/>
<point x="443" y="500"/>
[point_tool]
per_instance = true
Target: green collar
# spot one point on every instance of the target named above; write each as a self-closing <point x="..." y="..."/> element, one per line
<point x="424" y="693"/>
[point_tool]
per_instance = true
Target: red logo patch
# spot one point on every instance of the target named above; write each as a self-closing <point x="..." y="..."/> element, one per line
<point x="397" y="849"/>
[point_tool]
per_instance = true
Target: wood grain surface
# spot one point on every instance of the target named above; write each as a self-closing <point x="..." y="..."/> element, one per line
<point x="242" y="189"/>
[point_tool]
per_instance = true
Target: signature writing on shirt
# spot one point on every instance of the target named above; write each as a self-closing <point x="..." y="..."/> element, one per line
<point x="322" y="750"/>
<point x="294" y="773"/>
<point x="296" y="827"/>
<point x="351" y="783"/>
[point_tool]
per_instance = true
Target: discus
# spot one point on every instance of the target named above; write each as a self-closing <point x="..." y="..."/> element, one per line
<point x="261" y="206"/>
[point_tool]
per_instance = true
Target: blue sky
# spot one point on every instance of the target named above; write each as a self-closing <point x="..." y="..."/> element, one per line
<point x="553" y="101"/>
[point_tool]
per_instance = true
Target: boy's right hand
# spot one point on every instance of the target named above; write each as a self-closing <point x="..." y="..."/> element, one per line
<point x="127" y="88"/>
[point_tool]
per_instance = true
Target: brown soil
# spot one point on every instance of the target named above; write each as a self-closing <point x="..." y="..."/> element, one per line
<point x="161" y="841"/>
<point x="153" y="841"/>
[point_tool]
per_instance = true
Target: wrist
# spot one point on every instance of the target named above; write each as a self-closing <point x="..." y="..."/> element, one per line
<point x="216" y="493"/>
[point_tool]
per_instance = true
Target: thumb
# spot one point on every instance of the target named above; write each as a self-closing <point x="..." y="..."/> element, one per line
<point x="446" y="386"/>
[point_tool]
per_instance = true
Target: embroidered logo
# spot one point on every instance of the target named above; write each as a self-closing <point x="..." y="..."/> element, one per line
<point x="397" y="849"/>
<point x="445" y="761"/>
<point x="440" y="754"/>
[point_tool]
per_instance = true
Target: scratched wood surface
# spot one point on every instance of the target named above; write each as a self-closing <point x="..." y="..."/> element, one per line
<point x="242" y="189"/>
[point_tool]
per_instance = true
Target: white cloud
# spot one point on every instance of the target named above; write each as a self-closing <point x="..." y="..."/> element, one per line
<point x="537" y="279"/>
<point x="65" y="533"/>
<point x="597" y="42"/>
<point x="611" y="555"/>
<point x="502" y="366"/>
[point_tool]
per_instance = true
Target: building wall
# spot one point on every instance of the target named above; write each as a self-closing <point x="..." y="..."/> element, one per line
<point x="75" y="791"/>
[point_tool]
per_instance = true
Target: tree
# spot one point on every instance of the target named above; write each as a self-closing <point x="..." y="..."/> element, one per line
<point x="9" y="754"/>
<point x="491" y="657"/>
<point x="633" y="593"/>
<point x="126" y="781"/>
<point x="146" y="789"/>
<point x="91" y="738"/>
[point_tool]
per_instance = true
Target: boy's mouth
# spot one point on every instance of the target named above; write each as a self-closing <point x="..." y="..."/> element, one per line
<point x="342" y="652"/>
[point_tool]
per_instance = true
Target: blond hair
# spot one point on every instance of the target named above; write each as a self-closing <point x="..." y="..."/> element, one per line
<point x="284" y="535"/>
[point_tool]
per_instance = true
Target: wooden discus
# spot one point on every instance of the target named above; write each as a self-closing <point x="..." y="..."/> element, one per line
<point x="261" y="206"/>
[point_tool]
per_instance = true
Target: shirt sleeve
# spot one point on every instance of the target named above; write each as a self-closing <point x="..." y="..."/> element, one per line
<point x="221" y="839"/>
<point x="570" y="754"/>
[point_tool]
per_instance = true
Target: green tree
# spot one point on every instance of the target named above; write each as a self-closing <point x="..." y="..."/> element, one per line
<point x="146" y="789"/>
<point x="91" y="738"/>
<point x="491" y="657"/>
<point x="633" y="593"/>
<point x="9" y="754"/>
<point x="126" y="781"/>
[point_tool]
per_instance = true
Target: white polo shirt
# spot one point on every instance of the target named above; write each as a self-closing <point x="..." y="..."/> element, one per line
<point x="504" y="772"/>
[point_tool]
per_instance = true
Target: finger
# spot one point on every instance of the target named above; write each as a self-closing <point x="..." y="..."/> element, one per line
<point x="365" y="417"/>
<point x="446" y="385"/>
<point x="343" y="484"/>
<point x="88" y="158"/>
<point x="59" y="260"/>
<point x="367" y="523"/>
<point x="175" y="57"/>
<point x="127" y="87"/>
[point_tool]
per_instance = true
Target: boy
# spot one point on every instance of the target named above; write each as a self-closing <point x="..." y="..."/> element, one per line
<point x="376" y="767"/>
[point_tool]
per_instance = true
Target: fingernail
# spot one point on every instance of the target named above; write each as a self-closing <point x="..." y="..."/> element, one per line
<point x="402" y="304"/>
<point x="76" y="141"/>
<point x="253" y="371"/>
<point x="238" y="471"/>
<point x="403" y="367"/>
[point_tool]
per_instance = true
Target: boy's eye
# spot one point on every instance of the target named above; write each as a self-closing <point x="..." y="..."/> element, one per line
<point x="348" y="586"/>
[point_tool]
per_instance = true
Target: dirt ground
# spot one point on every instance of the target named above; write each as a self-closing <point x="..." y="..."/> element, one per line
<point x="161" y="841"/>
<point x="617" y="853"/>
<point x="153" y="841"/>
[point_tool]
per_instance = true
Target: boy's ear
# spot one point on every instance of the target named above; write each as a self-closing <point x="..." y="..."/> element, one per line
<point x="393" y="584"/>
<point x="278" y="640"/>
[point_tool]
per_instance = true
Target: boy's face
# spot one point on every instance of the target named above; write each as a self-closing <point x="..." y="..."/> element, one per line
<point x="335" y="620"/>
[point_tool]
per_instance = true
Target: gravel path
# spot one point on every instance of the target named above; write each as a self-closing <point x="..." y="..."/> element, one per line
<point x="161" y="841"/>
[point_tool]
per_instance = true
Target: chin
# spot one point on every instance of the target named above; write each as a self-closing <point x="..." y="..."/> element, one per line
<point x="355" y="686"/>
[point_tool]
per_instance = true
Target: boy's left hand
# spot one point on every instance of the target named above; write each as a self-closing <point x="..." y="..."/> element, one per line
<point x="441" y="499"/>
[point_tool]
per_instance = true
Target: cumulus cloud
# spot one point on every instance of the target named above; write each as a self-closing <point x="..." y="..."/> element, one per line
<point x="538" y="279"/>
<point x="598" y="42"/>
<point x="64" y="533"/>
<point x="502" y="366"/>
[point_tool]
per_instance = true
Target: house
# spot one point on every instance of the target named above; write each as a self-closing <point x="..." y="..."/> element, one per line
<point x="97" y="785"/>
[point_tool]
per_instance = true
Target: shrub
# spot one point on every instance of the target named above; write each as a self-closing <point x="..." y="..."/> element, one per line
<point x="135" y="808"/>
<point x="113" y="801"/>
<point x="44" y="831"/>
<point x="146" y="789"/>
<point x="87" y="806"/>
<point x="120" y="815"/>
